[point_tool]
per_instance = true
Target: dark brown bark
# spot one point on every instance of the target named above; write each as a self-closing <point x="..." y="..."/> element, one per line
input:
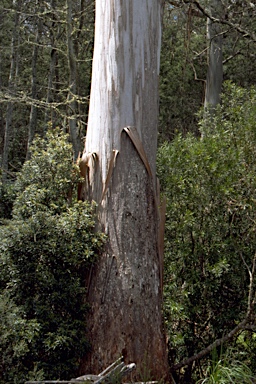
<point x="125" y="291"/>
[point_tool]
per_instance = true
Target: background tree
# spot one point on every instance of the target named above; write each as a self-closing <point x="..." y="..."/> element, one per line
<point x="43" y="27"/>
<point x="215" y="59"/>
<point x="72" y="103"/>
<point x="183" y="72"/>
<point x="34" y="80"/>
<point x="12" y="84"/>
<point x="184" y="60"/>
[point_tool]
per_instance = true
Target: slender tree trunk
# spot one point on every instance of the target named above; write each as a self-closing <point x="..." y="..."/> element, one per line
<point x="33" y="110"/>
<point x="72" y="103"/>
<point x="11" y="88"/>
<point x="1" y="110"/>
<point x="50" y="113"/>
<point x="85" y="8"/>
<point x="119" y="163"/>
<point x="1" y="85"/>
<point x="49" y="117"/>
<point x="215" y="67"/>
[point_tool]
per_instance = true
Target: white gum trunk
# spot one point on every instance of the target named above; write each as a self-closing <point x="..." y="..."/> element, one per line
<point x="125" y="288"/>
<point x="125" y="76"/>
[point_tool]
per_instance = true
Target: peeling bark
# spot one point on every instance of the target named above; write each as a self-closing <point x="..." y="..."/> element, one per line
<point x="125" y="289"/>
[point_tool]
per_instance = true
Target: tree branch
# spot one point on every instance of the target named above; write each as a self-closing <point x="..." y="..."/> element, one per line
<point x="238" y="28"/>
<point x="212" y="346"/>
<point x="203" y="12"/>
<point x="241" y="326"/>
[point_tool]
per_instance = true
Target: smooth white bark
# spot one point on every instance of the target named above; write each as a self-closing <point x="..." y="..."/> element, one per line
<point x="125" y="76"/>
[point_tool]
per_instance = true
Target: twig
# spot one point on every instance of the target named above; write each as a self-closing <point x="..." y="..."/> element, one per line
<point x="241" y="326"/>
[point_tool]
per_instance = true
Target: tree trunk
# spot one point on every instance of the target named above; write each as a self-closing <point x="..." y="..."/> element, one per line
<point x="125" y="290"/>
<point x="1" y="109"/>
<point x="33" y="109"/>
<point x="50" y="113"/>
<point x="13" y="74"/>
<point x="215" y="67"/>
<point x="72" y="104"/>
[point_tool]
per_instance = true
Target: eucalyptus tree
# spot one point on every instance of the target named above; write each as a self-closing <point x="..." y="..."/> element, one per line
<point x="182" y="73"/>
<point x="119" y="165"/>
<point x="13" y="75"/>
<point x="226" y="51"/>
<point x="72" y="102"/>
<point x="34" y="76"/>
<point x="214" y="77"/>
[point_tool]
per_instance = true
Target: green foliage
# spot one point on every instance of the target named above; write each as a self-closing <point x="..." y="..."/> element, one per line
<point x="145" y="374"/>
<point x="46" y="251"/>
<point x="180" y="93"/>
<point x="47" y="180"/>
<point x="210" y="184"/>
<point x="184" y="62"/>
<point x="226" y="370"/>
<point x="16" y="335"/>
<point x="7" y="197"/>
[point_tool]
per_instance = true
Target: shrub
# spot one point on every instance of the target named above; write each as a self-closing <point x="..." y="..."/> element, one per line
<point x="210" y="184"/>
<point x="46" y="251"/>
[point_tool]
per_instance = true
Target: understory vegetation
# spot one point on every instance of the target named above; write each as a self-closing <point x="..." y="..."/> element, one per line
<point x="46" y="249"/>
<point x="210" y="244"/>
